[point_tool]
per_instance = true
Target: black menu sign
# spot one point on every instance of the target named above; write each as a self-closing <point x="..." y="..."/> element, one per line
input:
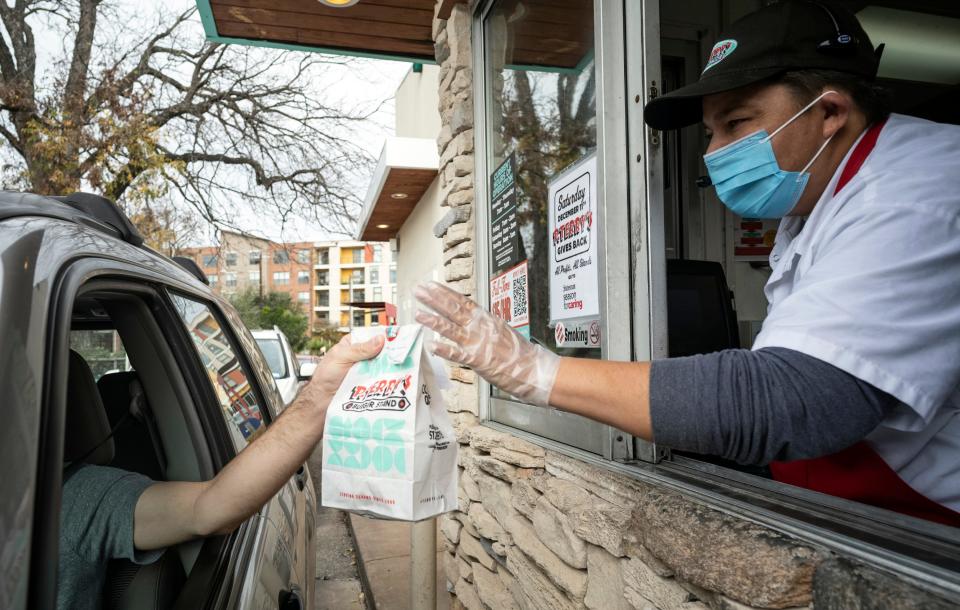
<point x="504" y="237"/>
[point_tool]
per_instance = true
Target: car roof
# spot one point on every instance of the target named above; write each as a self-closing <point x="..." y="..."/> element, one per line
<point x="94" y="215"/>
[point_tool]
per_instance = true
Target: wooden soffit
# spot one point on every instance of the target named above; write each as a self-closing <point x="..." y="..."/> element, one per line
<point x="407" y="167"/>
<point x="389" y="29"/>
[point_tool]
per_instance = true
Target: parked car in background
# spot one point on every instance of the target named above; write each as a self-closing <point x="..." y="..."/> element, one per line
<point x="169" y="368"/>
<point x="287" y="371"/>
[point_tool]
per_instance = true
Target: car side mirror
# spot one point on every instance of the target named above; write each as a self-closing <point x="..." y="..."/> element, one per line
<point x="307" y="369"/>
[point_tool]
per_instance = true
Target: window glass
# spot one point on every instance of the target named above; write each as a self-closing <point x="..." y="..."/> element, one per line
<point x="377" y="252"/>
<point x="356" y="276"/>
<point x="324" y="256"/>
<point x="357" y="254"/>
<point x="358" y="318"/>
<point x="303" y="297"/>
<point x="254" y="257"/>
<point x="281" y="257"/>
<point x="323" y="278"/>
<point x="213" y="278"/>
<point x="209" y="260"/>
<point x="393" y="275"/>
<point x="231" y="259"/>
<point x="230" y="280"/>
<point x="374" y="276"/>
<point x="281" y="278"/>
<point x="238" y="402"/>
<point x="102" y="349"/>
<point x="541" y="110"/>
<point x="378" y="293"/>
<point x="303" y="277"/>
<point x="254" y="276"/>
<point x="323" y="298"/>
<point x="323" y="316"/>
<point x="303" y="257"/>
<point x="273" y="352"/>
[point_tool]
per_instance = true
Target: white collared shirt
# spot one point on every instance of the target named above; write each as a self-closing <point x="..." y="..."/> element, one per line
<point x="870" y="282"/>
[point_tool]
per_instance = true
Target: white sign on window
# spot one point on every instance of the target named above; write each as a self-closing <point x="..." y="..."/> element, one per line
<point x="574" y="284"/>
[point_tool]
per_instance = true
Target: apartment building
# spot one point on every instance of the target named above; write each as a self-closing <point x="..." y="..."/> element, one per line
<point x="241" y="263"/>
<point x="354" y="284"/>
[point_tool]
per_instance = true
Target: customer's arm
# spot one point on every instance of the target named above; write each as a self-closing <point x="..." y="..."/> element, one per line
<point x="751" y="407"/>
<point x="168" y="513"/>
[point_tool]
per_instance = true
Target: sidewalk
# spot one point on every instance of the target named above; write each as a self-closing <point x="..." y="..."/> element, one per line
<point x="383" y="550"/>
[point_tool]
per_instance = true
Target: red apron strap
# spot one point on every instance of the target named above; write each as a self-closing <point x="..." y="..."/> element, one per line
<point x="860" y="154"/>
<point x="859" y="473"/>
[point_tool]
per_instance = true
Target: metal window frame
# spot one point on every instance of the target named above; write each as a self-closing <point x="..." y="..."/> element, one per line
<point x="568" y="430"/>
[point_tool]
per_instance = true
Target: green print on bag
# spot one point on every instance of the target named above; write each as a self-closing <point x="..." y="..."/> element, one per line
<point x="349" y="445"/>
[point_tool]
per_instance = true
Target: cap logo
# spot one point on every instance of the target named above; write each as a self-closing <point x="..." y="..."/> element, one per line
<point x="720" y="51"/>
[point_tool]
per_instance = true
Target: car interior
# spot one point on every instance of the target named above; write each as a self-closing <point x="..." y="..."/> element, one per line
<point x="128" y="407"/>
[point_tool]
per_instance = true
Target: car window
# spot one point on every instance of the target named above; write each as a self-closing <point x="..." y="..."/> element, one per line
<point x="240" y="405"/>
<point x="273" y="352"/>
<point x="102" y="349"/>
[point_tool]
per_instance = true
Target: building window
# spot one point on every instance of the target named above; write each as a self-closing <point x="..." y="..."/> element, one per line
<point x="356" y="276"/>
<point x="541" y="125"/>
<point x="393" y="275"/>
<point x="377" y="253"/>
<point x="323" y="278"/>
<point x="231" y="259"/>
<point x="324" y="256"/>
<point x="323" y="316"/>
<point x="230" y="280"/>
<point x="374" y="276"/>
<point x="281" y="278"/>
<point x="303" y="257"/>
<point x="254" y="276"/>
<point x="209" y="260"/>
<point x="358" y="296"/>
<point x="357" y="254"/>
<point x="359" y="318"/>
<point x="323" y="298"/>
<point x="213" y="278"/>
<point x="253" y="257"/>
<point x="281" y="257"/>
<point x="303" y="277"/>
<point x="393" y="294"/>
<point x="377" y="293"/>
<point x="303" y="297"/>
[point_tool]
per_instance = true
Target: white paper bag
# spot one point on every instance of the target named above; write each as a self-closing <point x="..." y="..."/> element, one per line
<point x="388" y="446"/>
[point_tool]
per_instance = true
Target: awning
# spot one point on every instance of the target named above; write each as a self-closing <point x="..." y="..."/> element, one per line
<point x="386" y="29"/>
<point x="404" y="172"/>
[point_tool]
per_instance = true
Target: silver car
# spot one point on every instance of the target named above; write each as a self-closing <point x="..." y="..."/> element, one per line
<point x="180" y="379"/>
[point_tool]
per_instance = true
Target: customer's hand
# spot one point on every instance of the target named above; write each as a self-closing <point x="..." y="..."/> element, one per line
<point x="487" y="345"/>
<point x="334" y="366"/>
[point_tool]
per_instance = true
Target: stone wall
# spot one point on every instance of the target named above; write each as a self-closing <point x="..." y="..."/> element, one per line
<point x="540" y="530"/>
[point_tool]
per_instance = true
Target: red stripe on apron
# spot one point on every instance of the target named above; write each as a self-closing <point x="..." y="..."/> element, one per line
<point x="859" y="473"/>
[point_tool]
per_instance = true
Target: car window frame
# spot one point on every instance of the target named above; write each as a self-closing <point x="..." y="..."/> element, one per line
<point x="96" y="272"/>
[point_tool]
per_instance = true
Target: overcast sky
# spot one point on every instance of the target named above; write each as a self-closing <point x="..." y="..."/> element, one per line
<point x="364" y="82"/>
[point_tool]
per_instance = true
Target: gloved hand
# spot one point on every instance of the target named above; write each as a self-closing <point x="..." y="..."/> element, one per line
<point x="487" y="344"/>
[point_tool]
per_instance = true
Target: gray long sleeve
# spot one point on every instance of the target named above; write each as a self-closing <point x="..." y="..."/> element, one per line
<point x="754" y="407"/>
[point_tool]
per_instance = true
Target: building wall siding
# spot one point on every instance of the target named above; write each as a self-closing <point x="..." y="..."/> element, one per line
<point x="540" y="530"/>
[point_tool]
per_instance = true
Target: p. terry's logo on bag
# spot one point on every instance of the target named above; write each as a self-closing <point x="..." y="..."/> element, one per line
<point x="720" y="51"/>
<point x="382" y="395"/>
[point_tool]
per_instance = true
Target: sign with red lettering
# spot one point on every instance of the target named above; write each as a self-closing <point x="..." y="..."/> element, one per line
<point x="573" y="239"/>
<point x="508" y="298"/>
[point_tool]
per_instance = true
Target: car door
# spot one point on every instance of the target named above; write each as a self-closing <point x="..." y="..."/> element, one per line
<point x="279" y="567"/>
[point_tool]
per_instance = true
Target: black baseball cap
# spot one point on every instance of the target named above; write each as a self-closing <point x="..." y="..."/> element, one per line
<point x="787" y="35"/>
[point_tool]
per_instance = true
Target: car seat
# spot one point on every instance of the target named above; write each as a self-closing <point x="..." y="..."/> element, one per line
<point x="90" y="439"/>
<point x="137" y="443"/>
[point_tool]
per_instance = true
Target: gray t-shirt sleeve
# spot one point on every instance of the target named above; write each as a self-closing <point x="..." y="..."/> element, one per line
<point x="755" y="407"/>
<point x="97" y="514"/>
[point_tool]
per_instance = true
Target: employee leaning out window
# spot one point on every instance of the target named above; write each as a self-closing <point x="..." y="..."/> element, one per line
<point x="853" y="385"/>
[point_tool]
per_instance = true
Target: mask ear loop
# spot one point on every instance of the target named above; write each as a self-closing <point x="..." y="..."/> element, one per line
<point x="794" y="117"/>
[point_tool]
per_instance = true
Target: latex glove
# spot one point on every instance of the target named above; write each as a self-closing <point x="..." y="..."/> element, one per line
<point x="487" y="344"/>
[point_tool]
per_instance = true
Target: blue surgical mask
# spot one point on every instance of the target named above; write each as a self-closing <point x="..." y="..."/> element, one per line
<point x="749" y="180"/>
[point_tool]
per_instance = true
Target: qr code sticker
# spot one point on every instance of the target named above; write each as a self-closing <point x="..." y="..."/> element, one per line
<point x="520" y="296"/>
